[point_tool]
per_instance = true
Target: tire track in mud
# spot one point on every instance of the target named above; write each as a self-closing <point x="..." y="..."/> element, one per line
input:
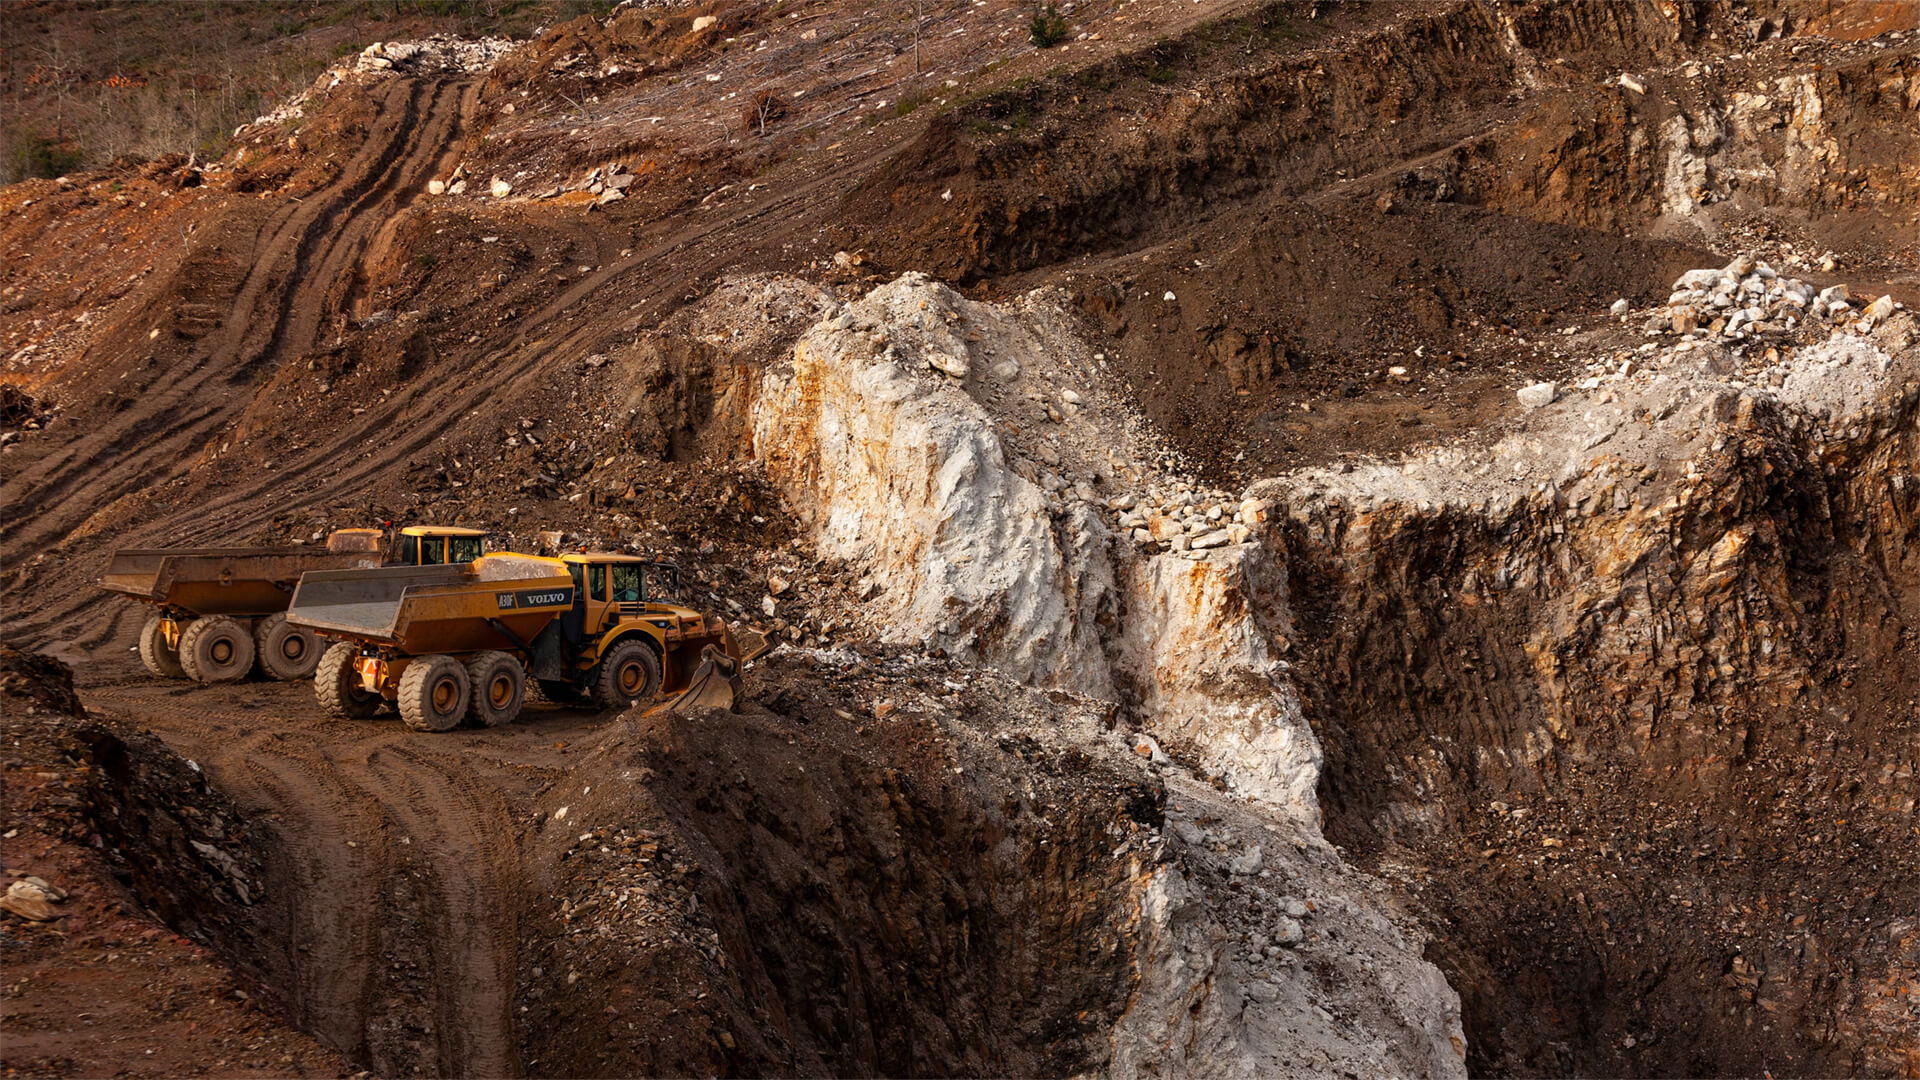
<point x="299" y="254"/>
<point x="325" y="893"/>
<point x="465" y="833"/>
<point x="386" y="435"/>
<point x="393" y="890"/>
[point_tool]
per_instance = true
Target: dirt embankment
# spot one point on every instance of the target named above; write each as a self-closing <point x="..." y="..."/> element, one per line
<point x="915" y="888"/>
<point x="1642" y="741"/>
<point x="131" y="884"/>
<point x="800" y="890"/>
<point x="1280" y="208"/>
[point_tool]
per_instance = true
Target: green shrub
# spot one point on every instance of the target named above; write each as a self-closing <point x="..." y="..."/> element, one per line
<point x="1048" y="28"/>
<point x="37" y="156"/>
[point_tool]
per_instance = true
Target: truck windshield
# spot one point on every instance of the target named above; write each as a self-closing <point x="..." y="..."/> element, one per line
<point x="465" y="548"/>
<point x="433" y="551"/>
<point x="627" y="584"/>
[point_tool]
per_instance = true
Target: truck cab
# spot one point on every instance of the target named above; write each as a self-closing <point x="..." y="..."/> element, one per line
<point x="437" y="545"/>
<point x="615" y="586"/>
<point x="625" y="598"/>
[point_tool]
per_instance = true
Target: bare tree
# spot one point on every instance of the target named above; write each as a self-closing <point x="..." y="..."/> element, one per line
<point x="764" y="108"/>
<point x="919" y="17"/>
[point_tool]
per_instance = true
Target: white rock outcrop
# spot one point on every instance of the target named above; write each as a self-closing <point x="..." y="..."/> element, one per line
<point x="903" y="435"/>
<point x="901" y="466"/>
<point x="1203" y="668"/>
<point x="896" y="470"/>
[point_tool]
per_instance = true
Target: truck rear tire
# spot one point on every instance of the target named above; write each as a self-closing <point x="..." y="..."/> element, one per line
<point x="434" y="693"/>
<point x="499" y="687"/>
<point x="156" y="653"/>
<point x="629" y="672"/>
<point x="216" y="649"/>
<point x="286" y="652"/>
<point x="337" y="685"/>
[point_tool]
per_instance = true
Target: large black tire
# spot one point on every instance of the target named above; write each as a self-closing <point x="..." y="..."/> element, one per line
<point x="499" y="686"/>
<point x="285" y="651"/>
<point x="434" y="694"/>
<point x="338" y="687"/>
<point x="629" y="672"/>
<point x="156" y="653"/>
<point x="216" y="649"/>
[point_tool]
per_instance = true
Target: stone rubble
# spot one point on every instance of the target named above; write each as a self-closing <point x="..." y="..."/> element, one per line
<point x="1747" y="300"/>
<point x="440" y="54"/>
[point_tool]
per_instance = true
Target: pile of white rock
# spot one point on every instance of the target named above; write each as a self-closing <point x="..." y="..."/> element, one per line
<point x="1188" y="521"/>
<point x="439" y="53"/>
<point x="1747" y="300"/>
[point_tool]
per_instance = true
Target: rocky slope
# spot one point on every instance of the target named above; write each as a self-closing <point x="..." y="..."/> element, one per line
<point x="1309" y="590"/>
<point x="1641" y="673"/>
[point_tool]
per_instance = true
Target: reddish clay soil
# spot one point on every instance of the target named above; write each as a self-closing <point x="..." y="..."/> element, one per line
<point x="1261" y="210"/>
<point x="106" y="986"/>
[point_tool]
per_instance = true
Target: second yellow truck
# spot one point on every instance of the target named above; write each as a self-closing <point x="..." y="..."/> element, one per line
<point x="457" y="642"/>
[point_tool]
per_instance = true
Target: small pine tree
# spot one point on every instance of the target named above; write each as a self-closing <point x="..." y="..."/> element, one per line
<point x="1048" y="28"/>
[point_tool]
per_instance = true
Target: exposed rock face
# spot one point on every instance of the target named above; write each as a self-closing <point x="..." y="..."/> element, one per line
<point x="1656" y="592"/>
<point x="1636" y="692"/>
<point x="1204" y="670"/>
<point x="905" y="470"/>
<point x="897" y="470"/>
<point x="899" y="464"/>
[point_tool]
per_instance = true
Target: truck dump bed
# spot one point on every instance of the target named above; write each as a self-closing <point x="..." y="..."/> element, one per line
<point x="221" y="581"/>
<point x="496" y="602"/>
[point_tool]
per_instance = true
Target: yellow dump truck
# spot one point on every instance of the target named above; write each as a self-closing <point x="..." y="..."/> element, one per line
<point x="221" y="611"/>
<point x="457" y="643"/>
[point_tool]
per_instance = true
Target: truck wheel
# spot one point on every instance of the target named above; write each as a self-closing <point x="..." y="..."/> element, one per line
<point x="286" y="652"/>
<point x="216" y="649"/>
<point x="156" y="653"/>
<point x="338" y="687"/>
<point x="628" y="673"/>
<point x="434" y="693"/>
<point x="499" y="687"/>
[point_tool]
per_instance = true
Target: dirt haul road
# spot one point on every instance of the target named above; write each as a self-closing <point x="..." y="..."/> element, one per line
<point x="302" y="261"/>
<point x="393" y="932"/>
<point x="123" y="461"/>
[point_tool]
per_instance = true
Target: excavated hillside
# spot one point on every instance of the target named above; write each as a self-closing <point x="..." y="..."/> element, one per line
<point x="1305" y="538"/>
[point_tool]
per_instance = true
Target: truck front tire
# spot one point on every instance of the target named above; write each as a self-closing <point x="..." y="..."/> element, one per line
<point x="434" y="694"/>
<point x="499" y="688"/>
<point x="337" y="685"/>
<point x="156" y="653"/>
<point x="216" y="649"/>
<point x="286" y="652"/>
<point x="629" y="672"/>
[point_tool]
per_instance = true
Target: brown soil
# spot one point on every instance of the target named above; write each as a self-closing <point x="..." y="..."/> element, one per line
<point x="303" y="340"/>
<point x="792" y="891"/>
<point x="122" y="981"/>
